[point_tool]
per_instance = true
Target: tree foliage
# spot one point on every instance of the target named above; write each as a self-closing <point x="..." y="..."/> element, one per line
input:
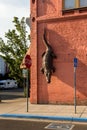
<point x="14" y="47"/>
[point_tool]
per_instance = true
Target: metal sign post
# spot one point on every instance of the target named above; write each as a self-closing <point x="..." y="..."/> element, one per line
<point x="28" y="63"/>
<point x="75" y="65"/>
<point x="27" y="89"/>
<point x="75" y="88"/>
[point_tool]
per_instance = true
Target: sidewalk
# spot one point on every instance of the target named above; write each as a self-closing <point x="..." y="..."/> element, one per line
<point x="18" y="109"/>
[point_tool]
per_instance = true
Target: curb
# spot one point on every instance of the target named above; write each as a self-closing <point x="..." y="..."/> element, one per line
<point x="60" y="118"/>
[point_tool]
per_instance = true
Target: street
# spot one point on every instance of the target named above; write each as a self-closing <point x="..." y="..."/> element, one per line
<point x="7" y="124"/>
<point x="10" y="94"/>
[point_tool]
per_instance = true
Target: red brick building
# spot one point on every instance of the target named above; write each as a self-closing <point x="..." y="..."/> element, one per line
<point x="66" y="25"/>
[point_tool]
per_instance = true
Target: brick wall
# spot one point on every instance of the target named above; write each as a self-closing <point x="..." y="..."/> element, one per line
<point x="67" y="34"/>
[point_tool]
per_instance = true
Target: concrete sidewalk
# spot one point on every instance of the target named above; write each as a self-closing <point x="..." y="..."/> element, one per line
<point x="18" y="109"/>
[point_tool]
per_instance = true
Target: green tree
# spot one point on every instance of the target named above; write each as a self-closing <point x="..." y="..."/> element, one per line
<point x="14" y="47"/>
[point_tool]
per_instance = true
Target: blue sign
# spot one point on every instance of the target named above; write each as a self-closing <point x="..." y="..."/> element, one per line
<point x="75" y="62"/>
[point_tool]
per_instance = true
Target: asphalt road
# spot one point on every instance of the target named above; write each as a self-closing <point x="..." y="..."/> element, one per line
<point x="7" y="124"/>
<point x="10" y="94"/>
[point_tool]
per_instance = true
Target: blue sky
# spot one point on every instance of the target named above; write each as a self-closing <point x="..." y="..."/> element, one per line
<point x="9" y="9"/>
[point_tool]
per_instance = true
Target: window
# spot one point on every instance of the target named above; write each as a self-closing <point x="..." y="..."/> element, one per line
<point x="68" y="4"/>
<point x="83" y="3"/>
<point x="71" y="4"/>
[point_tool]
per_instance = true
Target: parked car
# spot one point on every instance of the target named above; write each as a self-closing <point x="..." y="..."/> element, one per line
<point x="8" y="84"/>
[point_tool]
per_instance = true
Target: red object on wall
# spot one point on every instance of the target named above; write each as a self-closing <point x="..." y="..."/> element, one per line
<point x="28" y="61"/>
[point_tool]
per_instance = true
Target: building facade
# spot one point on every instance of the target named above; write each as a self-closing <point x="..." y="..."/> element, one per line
<point x="66" y="24"/>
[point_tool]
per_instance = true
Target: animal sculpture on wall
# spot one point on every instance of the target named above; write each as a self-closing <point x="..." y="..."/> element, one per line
<point x="47" y="59"/>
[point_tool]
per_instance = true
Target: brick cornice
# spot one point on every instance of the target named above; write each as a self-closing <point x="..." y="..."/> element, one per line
<point x="60" y="18"/>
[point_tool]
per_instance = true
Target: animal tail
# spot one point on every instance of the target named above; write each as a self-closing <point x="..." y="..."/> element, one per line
<point x="45" y="40"/>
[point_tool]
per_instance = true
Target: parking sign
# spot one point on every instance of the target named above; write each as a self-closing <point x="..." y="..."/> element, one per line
<point x="75" y="62"/>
